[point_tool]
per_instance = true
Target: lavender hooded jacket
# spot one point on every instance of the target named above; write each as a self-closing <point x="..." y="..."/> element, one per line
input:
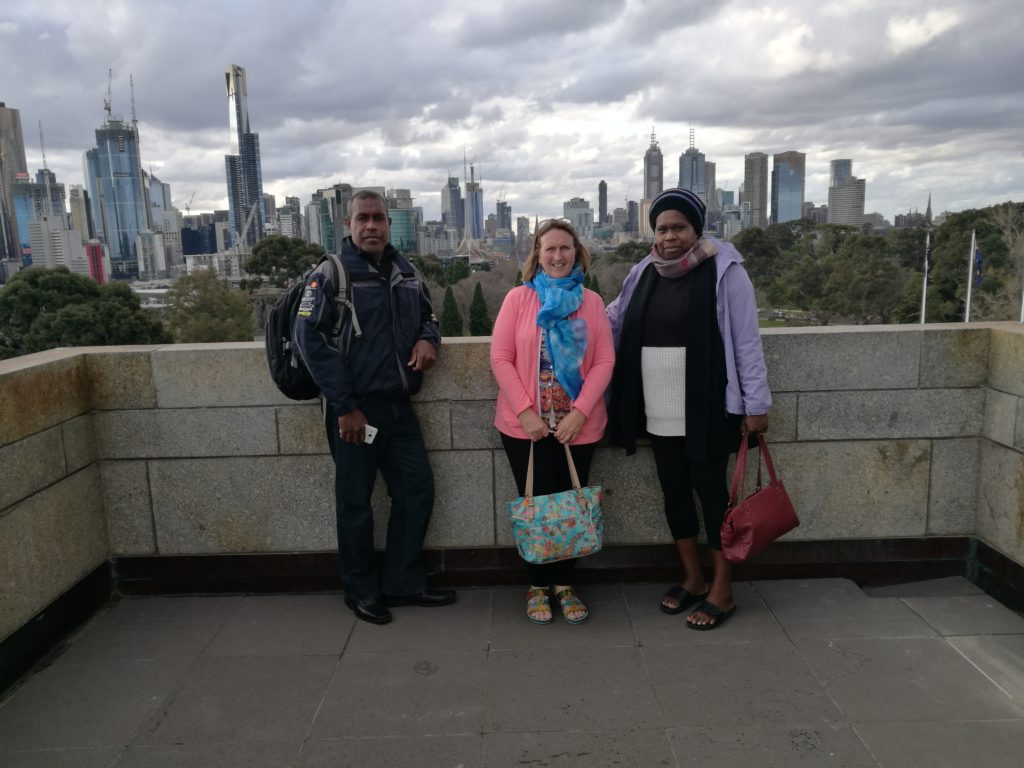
<point x="746" y="391"/>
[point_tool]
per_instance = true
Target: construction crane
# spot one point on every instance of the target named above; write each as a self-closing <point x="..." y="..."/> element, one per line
<point x="188" y="205"/>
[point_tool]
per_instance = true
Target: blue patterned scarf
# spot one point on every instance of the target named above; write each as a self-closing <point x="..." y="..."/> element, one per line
<point x="566" y="339"/>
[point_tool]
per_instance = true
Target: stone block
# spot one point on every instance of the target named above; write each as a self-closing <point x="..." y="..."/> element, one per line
<point x="891" y="414"/>
<point x="1001" y="415"/>
<point x="953" y="488"/>
<point x="464" y="500"/>
<point x="823" y="359"/>
<point x="1018" y="434"/>
<point x="436" y="423"/>
<point x="783" y="417"/>
<point x="79" y="443"/>
<point x="186" y="432"/>
<point x="47" y="543"/>
<point x="252" y="504"/>
<point x="1006" y="359"/>
<point x="462" y="372"/>
<point x="41" y="391"/>
<point x="858" y="489"/>
<point x="204" y="375"/>
<point x="633" y="505"/>
<point x="30" y="465"/>
<point x="954" y="358"/>
<point x="473" y="425"/>
<point x="128" y="507"/>
<point x="121" y="377"/>
<point x="504" y="491"/>
<point x="1001" y="500"/>
<point x="300" y="430"/>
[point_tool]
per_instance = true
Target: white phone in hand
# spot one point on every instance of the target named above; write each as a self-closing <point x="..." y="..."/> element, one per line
<point x="369" y="434"/>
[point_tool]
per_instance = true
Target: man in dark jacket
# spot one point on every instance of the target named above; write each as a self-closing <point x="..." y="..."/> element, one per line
<point x="366" y="376"/>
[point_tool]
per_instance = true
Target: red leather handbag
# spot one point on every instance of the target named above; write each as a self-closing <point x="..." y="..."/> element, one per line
<point x="754" y="522"/>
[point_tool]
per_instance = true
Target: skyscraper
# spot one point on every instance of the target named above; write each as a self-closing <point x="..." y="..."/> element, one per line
<point x="504" y="215"/>
<point x="113" y="172"/>
<point x="788" y="186"/>
<point x="845" y="195"/>
<point x="692" y="171"/>
<point x="580" y="215"/>
<point x="474" y="206"/>
<point x="453" y="213"/>
<point x="80" y="207"/>
<point x="242" y="165"/>
<point x="839" y="171"/>
<point x="654" y="170"/>
<point x="602" y="203"/>
<point x="12" y="162"/>
<point x="755" y="187"/>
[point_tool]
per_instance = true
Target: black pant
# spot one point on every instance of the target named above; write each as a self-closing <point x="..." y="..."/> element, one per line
<point x="399" y="453"/>
<point x="679" y="478"/>
<point x="550" y="475"/>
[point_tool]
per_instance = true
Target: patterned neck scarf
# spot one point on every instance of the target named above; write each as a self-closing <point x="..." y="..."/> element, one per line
<point x="673" y="269"/>
<point x="566" y="339"/>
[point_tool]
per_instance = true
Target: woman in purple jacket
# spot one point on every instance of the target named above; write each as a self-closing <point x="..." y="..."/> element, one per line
<point x="690" y="375"/>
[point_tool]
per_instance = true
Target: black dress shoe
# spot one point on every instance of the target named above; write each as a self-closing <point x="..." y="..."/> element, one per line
<point x="428" y="598"/>
<point x="371" y="610"/>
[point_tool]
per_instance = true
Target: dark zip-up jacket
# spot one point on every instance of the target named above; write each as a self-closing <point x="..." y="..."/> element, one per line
<point x="394" y="312"/>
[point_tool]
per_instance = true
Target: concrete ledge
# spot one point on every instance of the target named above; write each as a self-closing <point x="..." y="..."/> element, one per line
<point x="185" y="432"/>
<point x="41" y="391"/>
<point x="891" y="414"/>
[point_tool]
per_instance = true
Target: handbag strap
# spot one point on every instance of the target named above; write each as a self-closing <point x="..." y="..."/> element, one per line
<point x="739" y="473"/>
<point x="573" y="474"/>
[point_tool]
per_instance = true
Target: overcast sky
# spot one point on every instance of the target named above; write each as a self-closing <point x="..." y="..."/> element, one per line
<point x="548" y="97"/>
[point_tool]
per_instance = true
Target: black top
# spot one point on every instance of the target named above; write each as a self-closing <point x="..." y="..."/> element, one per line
<point x="665" y="318"/>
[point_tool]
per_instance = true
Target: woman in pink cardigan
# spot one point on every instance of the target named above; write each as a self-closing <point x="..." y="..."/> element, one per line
<point x="552" y="354"/>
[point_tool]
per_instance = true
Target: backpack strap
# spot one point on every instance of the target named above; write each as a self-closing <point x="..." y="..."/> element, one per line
<point x="343" y="295"/>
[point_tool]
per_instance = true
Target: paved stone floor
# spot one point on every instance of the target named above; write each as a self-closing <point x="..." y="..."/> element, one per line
<point x="807" y="673"/>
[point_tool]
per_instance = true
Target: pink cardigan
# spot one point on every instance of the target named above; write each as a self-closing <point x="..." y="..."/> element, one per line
<point x="515" y="350"/>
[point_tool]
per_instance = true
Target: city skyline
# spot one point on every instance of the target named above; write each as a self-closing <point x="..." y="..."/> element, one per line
<point x="913" y="96"/>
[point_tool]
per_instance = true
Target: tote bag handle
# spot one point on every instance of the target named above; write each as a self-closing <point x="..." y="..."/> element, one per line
<point x="572" y="471"/>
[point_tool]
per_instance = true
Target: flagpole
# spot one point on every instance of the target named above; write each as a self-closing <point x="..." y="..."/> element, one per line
<point x="924" y="281"/>
<point x="970" y="279"/>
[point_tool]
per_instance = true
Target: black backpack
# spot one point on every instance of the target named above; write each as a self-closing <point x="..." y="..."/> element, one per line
<point x="287" y="369"/>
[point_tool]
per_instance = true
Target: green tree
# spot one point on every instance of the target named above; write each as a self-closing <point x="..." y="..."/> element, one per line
<point x="204" y="309"/>
<point x="632" y="251"/>
<point x="430" y="268"/>
<point x="867" y="281"/>
<point x="760" y="254"/>
<point x="451" y="318"/>
<point x="457" y="270"/>
<point x="48" y="308"/>
<point x="479" y="320"/>
<point x="281" y="259"/>
<point x="519" y="278"/>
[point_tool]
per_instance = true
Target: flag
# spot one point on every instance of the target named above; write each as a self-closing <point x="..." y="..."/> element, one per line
<point x="977" y="267"/>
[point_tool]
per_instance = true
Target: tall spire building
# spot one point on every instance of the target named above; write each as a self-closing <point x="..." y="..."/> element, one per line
<point x="692" y="170"/>
<point x="242" y="166"/>
<point x="654" y="170"/>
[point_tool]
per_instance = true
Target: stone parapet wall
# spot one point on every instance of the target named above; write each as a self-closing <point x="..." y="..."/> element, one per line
<point x="877" y="431"/>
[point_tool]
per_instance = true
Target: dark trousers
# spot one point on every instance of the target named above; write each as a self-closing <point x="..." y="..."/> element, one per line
<point x="399" y="453"/>
<point x="679" y="478"/>
<point x="550" y="475"/>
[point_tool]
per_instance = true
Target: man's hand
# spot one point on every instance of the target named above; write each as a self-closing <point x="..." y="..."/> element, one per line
<point x="352" y="426"/>
<point x="533" y="425"/>
<point x="754" y="425"/>
<point x="423" y="356"/>
<point x="570" y="426"/>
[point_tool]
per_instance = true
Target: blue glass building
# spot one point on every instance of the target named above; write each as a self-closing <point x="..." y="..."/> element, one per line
<point x="788" y="177"/>
<point x="242" y="167"/>
<point x="113" y="171"/>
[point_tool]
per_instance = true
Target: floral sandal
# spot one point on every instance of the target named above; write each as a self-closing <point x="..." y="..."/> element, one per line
<point x="538" y="605"/>
<point x="571" y="604"/>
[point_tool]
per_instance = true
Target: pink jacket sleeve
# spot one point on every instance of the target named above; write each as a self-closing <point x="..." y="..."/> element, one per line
<point x="503" y="352"/>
